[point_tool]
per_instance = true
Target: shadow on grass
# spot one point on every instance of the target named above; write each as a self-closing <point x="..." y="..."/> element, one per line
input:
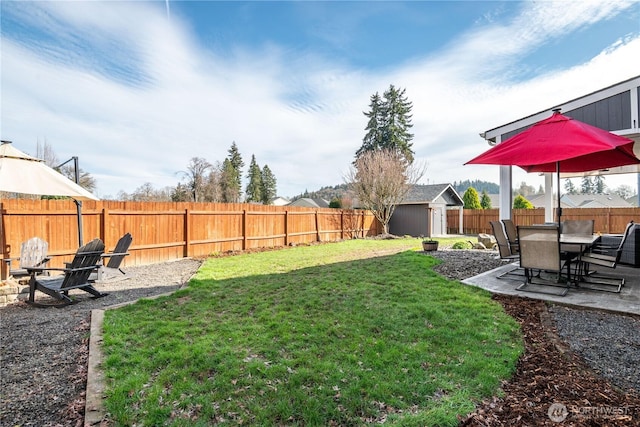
<point x="352" y="342"/>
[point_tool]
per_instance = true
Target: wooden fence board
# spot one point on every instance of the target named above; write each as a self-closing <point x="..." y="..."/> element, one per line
<point x="167" y="231"/>
<point x="606" y="220"/>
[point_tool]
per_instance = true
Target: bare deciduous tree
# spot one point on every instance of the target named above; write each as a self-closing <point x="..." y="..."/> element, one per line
<point x="196" y="175"/>
<point x="380" y="180"/>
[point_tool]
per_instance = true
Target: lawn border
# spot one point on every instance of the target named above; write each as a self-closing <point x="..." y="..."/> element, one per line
<point x="94" y="411"/>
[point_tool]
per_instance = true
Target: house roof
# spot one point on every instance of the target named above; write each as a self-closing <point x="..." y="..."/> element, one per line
<point x="594" y="201"/>
<point x="576" y="201"/>
<point x="431" y="193"/>
<point x="310" y="203"/>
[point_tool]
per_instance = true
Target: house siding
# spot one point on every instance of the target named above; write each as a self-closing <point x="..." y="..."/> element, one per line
<point x="612" y="113"/>
<point x="409" y="220"/>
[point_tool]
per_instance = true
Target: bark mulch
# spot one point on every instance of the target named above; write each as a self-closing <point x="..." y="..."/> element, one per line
<point x="552" y="386"/>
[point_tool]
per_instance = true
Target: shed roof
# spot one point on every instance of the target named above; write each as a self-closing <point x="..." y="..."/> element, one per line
<point x="431" y="193"/>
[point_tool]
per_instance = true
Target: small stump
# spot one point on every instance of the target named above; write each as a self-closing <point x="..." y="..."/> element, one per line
<point x="430" y="246"/>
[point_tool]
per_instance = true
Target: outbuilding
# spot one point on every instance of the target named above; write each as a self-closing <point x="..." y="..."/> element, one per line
<point x="424" y="211"/>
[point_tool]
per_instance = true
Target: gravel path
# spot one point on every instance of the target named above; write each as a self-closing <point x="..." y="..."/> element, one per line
<point x="44" y="350"/>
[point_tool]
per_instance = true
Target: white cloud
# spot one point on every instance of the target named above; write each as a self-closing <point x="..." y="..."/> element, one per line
<point x="300" y="115"/>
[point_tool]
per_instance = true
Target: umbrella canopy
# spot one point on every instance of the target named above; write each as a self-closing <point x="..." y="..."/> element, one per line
<point x="21" y="173"/>
<point x="561" y="144"/>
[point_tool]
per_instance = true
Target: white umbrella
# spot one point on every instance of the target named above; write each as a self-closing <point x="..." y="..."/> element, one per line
<point x="21" y="173"/>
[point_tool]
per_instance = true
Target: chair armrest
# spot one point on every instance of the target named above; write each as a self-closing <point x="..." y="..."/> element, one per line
<point x="114" y="254"/>
<point x="33" y="270"/>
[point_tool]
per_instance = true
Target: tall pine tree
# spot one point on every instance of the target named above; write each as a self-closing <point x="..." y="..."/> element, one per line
<point x="235" y="159"/>
<point x="254" y="187"/>
<point x="229" y="183"/>
<point x="269" y="190"/>
<point x="388" y="125"/>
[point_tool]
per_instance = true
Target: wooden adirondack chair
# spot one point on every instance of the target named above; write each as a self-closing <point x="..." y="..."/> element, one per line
<point x="33" y="253"/>
<point x="112" y="270"/>
<point x="76" y="275"/>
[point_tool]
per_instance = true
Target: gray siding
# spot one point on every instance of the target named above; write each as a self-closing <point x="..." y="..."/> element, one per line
<point x="409" y="220"/>
<point x="612" y="113"/>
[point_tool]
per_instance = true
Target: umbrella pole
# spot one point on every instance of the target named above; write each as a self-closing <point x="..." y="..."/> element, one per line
<point x="558" y="190"/>
<point x="79" y="211"/>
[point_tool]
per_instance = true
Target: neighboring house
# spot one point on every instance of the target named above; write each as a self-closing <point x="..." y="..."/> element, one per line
<point x="310" y="203"/>
<point x="575" y="201"/>
<point x="423" y="211"/>
<point x="280" y="201"/>
<point x="593" y="201"/>
<point x="583" y="201"/>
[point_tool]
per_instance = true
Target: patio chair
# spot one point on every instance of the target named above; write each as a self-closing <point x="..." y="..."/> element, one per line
<point x="112" y="270"/>
<point x="540" y="253"/>
<point x="596" y="257"/>
<point x="504" y="249"/>
<point x="575" y="226"/>
<point x="76" y="276"/>
<point x="33" y="253"/>
<point x="512" y="234"/>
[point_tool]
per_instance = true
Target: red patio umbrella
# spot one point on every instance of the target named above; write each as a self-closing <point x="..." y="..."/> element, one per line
<point x="561" y="144"/>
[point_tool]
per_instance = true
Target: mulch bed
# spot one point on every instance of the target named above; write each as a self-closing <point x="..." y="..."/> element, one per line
<point x="549" y="373"/>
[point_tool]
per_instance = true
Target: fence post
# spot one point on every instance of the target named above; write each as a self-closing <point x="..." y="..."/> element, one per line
<point x="244" y="229"/>
<point x="187" y="218"/>
<point x="103" y="225"/>
<point x="317" y="228"/>
<point x="286" y="227"/>
<point x="341" y="224"/>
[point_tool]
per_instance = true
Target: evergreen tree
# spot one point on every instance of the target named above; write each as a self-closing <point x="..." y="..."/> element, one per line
<point x="519" y="202"/>
<point x="587" y="186"/>
<point x="569" y="187"/>
<point x="181" y="193"/>
<point x="471" y="199"/>
<point x="373" y="139"/>
<point x="335" y="203"/>
<point x="485" y="200"/>
<point x="398" y="123"/>
<point x="599" y="185"/>
<point x="254" y="187"/>
<point x="269" y="190"/>
<point x="389" y="125"/>
<point x="237" y="164"/>
<point x="229" y="186"/>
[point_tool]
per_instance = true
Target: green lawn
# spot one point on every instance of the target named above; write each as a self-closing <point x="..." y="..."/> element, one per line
<point x="349" y="333"/>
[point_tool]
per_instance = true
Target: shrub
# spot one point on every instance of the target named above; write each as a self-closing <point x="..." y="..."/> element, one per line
<point x="461" y="245"/>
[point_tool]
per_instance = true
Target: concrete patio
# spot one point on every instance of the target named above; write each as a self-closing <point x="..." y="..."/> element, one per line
<point x="627" y="301"/>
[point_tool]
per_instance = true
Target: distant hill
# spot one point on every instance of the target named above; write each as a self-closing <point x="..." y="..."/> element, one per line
<point x="480" y="186"/>
<point x="328" y="193"/>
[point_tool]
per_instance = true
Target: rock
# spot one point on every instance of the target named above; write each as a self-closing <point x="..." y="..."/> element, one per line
<point x="487" y="240"/>
<point x="478" y="245"/>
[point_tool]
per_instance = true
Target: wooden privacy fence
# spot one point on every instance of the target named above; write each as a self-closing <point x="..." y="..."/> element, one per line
<point x="606" y="220"/>
<point x="169" y="231"/>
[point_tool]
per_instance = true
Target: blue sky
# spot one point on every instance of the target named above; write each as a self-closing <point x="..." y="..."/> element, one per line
<point x="136" y="89"/>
